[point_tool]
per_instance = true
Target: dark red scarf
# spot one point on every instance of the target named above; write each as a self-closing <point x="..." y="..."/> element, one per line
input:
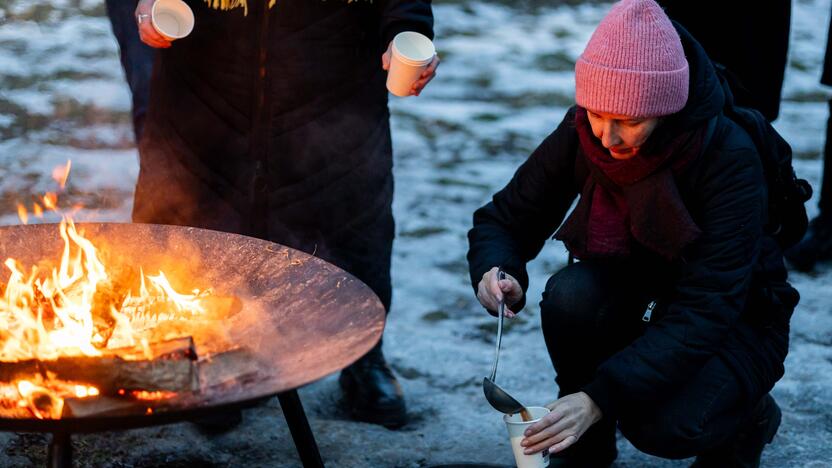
<point x="632" y="200"/>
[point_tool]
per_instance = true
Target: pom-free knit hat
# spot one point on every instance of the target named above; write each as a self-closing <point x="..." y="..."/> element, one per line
<point x="634" y="64"/>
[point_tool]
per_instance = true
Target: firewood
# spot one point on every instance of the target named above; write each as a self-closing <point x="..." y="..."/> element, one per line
<point x="177" y="348"/>
<point x="101" y="406"/>
<point x="172" y="367"/>
<point x="111" y="374"/>
<point x="13" y="370"/>
<point x="14" y="411"/>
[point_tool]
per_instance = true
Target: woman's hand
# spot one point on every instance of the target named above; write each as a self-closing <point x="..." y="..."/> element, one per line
<point x="423" y="80"/>
<point x="490" y="292"/>
<point x="147" y="32"/>
<point x="570" y="417"/>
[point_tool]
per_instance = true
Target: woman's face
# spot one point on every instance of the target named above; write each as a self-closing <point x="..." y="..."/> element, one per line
<point x="620" y="134"/>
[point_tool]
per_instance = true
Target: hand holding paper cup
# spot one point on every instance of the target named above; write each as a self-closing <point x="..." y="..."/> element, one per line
<point x="173" y="19"/>
<point x="516" y="428"/>
<point x="411" y="54"/>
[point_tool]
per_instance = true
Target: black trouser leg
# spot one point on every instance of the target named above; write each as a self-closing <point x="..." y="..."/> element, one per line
<point x="136" y="57"/>
<point x="825" y="202"/>
<point x="589" y="311"/>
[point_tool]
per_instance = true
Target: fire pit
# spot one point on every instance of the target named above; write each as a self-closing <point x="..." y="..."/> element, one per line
<point x="266" y="319"/>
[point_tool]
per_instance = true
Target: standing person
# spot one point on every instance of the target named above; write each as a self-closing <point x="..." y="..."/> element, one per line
<point x="271" y="120"/>
<point x="817" y="243"/>
<point x="674" y="323"/>
<point x="136" y="58"/>
<point x="751" y="41"/>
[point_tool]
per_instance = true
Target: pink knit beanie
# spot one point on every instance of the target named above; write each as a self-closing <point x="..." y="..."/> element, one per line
<point x="634" y="64"/>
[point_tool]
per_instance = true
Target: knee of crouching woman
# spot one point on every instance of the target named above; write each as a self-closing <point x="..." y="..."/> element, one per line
<point x="571" y="299"/>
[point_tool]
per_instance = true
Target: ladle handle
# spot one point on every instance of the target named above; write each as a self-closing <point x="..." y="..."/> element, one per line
<point x="501" y="310"/>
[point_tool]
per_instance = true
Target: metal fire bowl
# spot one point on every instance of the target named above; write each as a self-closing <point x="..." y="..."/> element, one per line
<point x="303" y="317"/>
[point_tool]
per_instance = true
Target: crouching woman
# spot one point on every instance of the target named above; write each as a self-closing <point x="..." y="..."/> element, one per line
<point x="673" y="324"/>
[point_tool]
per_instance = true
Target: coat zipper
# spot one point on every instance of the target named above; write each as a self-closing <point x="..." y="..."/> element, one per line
<point x="649" y="312"/>
<point x="259" y="138"/>
<point x="261" y="61"/>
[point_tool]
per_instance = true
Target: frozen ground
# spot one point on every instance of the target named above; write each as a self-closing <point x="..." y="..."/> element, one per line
<point x="505" y="81"/>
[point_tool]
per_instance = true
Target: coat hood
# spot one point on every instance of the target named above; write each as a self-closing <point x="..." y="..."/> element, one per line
<point x="706" y="97"/>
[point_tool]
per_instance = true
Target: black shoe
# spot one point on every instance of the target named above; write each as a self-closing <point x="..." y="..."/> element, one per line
<point x="220" y="422"/>
<point x="815" y="246"/>
<point x="372" y="391"/>
<point x="746" y="448"/>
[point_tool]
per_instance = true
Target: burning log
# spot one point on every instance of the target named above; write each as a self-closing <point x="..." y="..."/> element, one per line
<point x="101" y="406"/>
<point x="168" y="365"/>
<point x="217" y="370"/>
<point x="177" y="348"/>
<point x="112" y="373"/>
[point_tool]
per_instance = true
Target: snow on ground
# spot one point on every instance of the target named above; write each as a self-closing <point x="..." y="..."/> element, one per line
<point x="504" y="84"/>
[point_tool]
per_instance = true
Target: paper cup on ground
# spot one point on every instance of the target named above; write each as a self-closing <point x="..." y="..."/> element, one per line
<point x="173" y="19"/>
<point x="411" y="54"/>
<point x="516" y="426"/>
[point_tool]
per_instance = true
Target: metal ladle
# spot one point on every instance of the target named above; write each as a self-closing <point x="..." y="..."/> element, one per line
<point x="496" y="396"/>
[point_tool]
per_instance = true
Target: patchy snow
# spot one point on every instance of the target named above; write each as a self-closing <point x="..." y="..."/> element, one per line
<point x="504" y="84"/>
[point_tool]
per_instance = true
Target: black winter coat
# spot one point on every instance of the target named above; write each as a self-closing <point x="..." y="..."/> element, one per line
<point x="276" y="125"/>
<point x="729" y="294"/>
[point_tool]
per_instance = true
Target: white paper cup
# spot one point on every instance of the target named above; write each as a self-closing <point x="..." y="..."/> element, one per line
<point x="173" y="19"/>
<point x="412" y="53"/>
<point x="516" y="426"/>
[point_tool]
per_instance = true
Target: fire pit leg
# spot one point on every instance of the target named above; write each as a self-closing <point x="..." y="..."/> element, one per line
<point x="60" y="451"/>
<point x="299" y="427"/>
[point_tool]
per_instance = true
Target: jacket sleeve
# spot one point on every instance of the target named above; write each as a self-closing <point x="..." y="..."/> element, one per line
<point x="512" y="228"/>
<point x="405" y="15"/>
<point x="709" y="296"/>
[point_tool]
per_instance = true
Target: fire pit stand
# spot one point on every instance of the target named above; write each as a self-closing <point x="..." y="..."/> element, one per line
<point x="302" y="319"/>
<point x="60" y="446"/>
<point x="299" y="427"/>
<point x="60" y="451"/>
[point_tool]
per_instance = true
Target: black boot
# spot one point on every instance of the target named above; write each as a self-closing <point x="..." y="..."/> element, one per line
<point x="372" y="391"/>
<point x="815" y="246"/>
<point x="745" y="449"/>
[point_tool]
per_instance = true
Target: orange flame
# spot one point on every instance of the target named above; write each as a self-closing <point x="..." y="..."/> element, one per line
<point x="22" y="214"/>
<point x="45" y="314"/>
<point x="50" y="200"/>
<point x="61" y="173"/>
<point x="67" y="293"/>
<point x="83" y="391"/>
<point x="152" y="396"/>
<point x="40" y="400"/>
